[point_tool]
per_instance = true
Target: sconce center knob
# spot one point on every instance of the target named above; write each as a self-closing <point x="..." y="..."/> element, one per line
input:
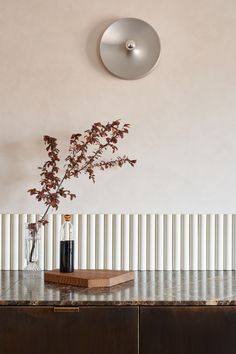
<point x="130" y="44"/>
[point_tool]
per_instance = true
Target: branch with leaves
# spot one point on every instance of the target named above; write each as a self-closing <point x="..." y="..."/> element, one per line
<point x="84" y="157"/>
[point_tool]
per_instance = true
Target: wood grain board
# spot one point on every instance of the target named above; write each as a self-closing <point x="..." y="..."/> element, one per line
<point x="89" y="278"/>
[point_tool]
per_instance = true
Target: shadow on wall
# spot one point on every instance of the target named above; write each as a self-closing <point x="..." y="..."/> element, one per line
<point x="93" y="45"/>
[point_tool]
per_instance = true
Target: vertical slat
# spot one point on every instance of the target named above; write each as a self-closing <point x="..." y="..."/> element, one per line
<point x="168" y="242"/>
<point x="134" y="242"/>
<point x="100" y="241"/>
<point x="177" y="242"/>
<point x="91" y="241"/>
<point x="31" y="218"/>
<point x="108" y="241"/>
<point x="202" y="242"/>
<point x="117" y="242"/>
<point x="160" y="242"/>
<point x="194" y="242"/>
<point x="219" y="241"/>
<point x="48" y="244"/>
<point x="6" y="242"/>
<point x="125" y="242"/>
<point x="56" y="240"/>
<point x="211" y="245"/>
<point x="22" y="230"/>
<point x="151" y="243"/>
<point x="75" y="219"/>
<point x="142" y="241"/>
<point x="83" y="241"/>
<point x="41" y="248"/>
<point x="14" y="235"/>
<point x="185" y="242"/>
<point x="228" y="243"/>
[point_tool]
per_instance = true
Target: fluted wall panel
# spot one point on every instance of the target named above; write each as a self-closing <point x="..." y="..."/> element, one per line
<point x="124" y="241"/>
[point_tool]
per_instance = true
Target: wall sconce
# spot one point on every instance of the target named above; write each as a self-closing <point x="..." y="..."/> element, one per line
<point x="130" y="48"/>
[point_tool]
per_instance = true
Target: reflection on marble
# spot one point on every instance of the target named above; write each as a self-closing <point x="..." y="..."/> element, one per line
<point x="149" y="288"/>
<point x="7" y="280"/>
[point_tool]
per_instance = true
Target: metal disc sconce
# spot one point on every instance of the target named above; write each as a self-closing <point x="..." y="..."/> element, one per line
<point x="130" y="48"/>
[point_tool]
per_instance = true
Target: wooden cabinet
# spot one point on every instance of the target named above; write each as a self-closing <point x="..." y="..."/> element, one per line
<point x="118" y="330"/>
<point x="92" y="330"/>
<point x="188" y="330"/>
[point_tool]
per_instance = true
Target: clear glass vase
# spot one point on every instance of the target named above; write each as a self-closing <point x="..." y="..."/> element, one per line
<point x="32" y="247"/>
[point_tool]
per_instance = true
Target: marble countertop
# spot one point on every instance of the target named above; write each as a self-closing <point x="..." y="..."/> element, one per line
<point x="159" y="288"/>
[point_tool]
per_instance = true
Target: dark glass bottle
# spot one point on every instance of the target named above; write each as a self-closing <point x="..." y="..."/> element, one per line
<point x="67" y="246"/>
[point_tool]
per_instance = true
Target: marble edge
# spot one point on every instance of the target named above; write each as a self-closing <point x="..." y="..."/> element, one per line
<point x="147" y="303"/>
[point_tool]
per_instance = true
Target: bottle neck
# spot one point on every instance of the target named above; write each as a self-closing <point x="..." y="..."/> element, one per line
<point x="67" y="231"/>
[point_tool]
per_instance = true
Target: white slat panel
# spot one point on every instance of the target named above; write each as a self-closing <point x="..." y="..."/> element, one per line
<point x="211" y="243"/>
<point x="100" y="241"/>
<point x="202" y="242"/>
<point x="56" y="240"/>
<point x="22" y="229"/>
<point x="108" y="241"/>
<point x="42" y="248"/>
<point x="168" y="242"/>
<point x="117" y="242"/>
<point x="177" y="242"/>
<point x="151" y="243"/>
<point x="194" y="242"/>
<point x="48" y="243"/>
<point x="6" y="236"/>
<point x="75" y="220"/>
<point x="134" y="242"/>
<point x="83" y="240"/>
<point x="185" y="242"/>
<point x="219" y="241"/>
<point x="142" y="241"/>
<point x="228" y="245"/>
<point x="160" y="242"/>
<point x="14" y="241"/>
<point x="32" y="218"/>
<point x="125" y="242"/>
<point x="91" y="241"/>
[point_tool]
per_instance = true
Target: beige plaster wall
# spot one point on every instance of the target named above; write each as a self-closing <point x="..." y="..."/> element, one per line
<point x="183" y="114"/>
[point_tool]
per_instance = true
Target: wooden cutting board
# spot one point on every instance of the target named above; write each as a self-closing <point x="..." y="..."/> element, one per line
<point x="89" y="278"/>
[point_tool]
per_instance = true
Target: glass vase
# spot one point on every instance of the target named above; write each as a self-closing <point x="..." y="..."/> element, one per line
<point x="32" y="247"/>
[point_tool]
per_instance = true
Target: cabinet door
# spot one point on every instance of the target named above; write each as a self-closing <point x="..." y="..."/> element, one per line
<point x="188" y="330"/>
<point x="92" y="330"/>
